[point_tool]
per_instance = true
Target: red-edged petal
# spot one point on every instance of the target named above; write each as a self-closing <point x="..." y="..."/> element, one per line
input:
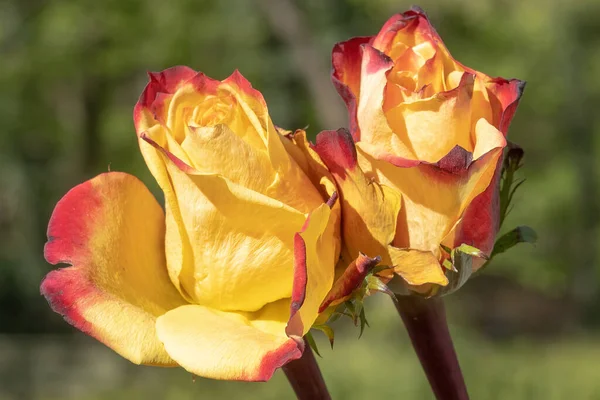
<point x="504" y="97"/>
<point x="481" y="220"/>
<point x="350" y="280"/>
<point x="370" y="211"/>
<point x="414" y="23"/>
<point x="165" y="82"/>
<point x="111" y="230"/>
<point x="315" y="256"/>
<point x="346" y="75"/>
<point x="228" y="345"/>
<point x="337" y="150"/>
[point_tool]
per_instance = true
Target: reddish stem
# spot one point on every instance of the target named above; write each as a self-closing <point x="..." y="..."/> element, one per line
<point x="425" y="320"/>
<point x="305" y="377"/>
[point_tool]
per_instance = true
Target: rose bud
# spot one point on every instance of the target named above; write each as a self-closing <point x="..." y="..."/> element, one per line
<point x="419" y="171"/>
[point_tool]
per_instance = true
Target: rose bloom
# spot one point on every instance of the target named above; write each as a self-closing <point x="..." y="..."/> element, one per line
<point x="228" y="278"/>
<point x="421" y="165"/>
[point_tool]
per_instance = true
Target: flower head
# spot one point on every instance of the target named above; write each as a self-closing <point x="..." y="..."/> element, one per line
<point x="229" y="277"/>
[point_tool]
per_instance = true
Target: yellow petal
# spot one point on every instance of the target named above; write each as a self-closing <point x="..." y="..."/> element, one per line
<point x="316" y="249"/>
<point x="374" y="127"/>
<point x="434" y="196"/>
<point x="298" y="147"/>
<point x="433" y="126"/>
<point x="369" y="210"/>
<point x="236" y="237"/>
<point x="224" y="345"/>
<point x="219" y="150"/>
<point x="417" y="267"/>
<point x="111" y="230"/>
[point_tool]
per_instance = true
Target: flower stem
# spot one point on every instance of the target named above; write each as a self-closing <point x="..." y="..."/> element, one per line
<point x="425" y="320"/>
<point x="305" y="377"/>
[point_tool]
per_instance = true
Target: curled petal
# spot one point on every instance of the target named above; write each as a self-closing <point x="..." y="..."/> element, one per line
<point x="417" y="267"/>
<point x="410" y="28"/>
<point x="346" y="75"/>
<point x="161" y="84"/>
<point x="111" y="230"/>
<point x="316" y="250"/>
<point x="369" y="210"/>
<point x="350" y="280"/>
<point x="227" y="345"/>
<point x="504" y="97"/>
<point x="418" y="125"/>
<point x="435" y="196"/>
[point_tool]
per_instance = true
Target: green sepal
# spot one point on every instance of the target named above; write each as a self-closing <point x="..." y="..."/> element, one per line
<point x="354" y="306"/>
<point x="363" y="322"/>
<point x="459" y="267"/>
<point x="327" y="330"/>
<point x="311" y="342"/>
<point x="512" y="163"/>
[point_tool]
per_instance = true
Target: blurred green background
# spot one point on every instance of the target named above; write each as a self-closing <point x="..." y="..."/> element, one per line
<point x="71" y="71"/>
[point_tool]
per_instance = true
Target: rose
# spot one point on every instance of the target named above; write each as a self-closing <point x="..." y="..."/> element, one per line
<point x="229" y="278"/>
<point x="429" y="136"/>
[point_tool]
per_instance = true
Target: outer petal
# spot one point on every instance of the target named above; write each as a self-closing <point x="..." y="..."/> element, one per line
<point x="349" y="281"/>
<point x="346" y="75"/>
<point x="370" y="211"/>
<point x="436" y="196"/>
<point x="480" y="222"/>
<point x="417" y="267"/>
<point x="111" y="230"/>
<point x="316" y="250"/>
<point x="504" y="96"/>
<point x="226" y="345"/>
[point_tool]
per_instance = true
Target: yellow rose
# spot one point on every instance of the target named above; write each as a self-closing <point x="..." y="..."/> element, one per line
<point x="227" y="280"/>
<point x="420" y="168"/>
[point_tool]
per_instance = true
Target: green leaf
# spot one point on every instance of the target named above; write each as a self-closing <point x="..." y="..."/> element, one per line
<point x="521" y="234"/>
<point x="328" y="331"/>
<point x="311" y="342"/>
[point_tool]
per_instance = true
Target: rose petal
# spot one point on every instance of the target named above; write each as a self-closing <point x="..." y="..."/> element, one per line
<point x="430" y="128"/>
<point x="111" y="230"/>
<point x="346" y="59"/>
<point x="504" y="97"/>
<point x="351" y="279"/>
<point x="417" y="267"/>
<point x="316" y="249"/>
<point x="434" y="196"/>
<point x="369" y="211"/>
<point x="225" y="345"/>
